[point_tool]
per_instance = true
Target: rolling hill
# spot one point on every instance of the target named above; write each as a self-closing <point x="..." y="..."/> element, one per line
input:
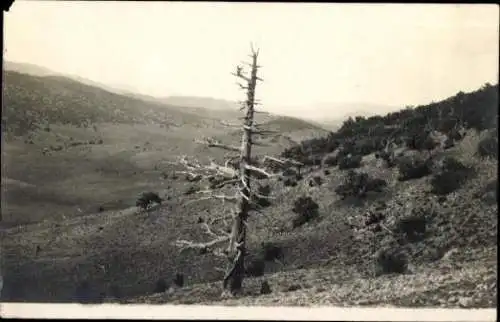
<point x="68" y="195"/>
<point x="60" y="133"/>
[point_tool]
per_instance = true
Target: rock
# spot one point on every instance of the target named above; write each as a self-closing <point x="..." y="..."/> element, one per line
<point x="265" y="288"/>
<point x="465" y="301"/>
<point x="449" y="254"/>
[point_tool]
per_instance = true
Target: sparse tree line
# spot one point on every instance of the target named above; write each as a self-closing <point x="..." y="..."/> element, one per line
<point x="423" y="128"/>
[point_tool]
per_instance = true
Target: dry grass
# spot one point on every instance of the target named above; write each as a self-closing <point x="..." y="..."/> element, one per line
<point x="329" y="258"/>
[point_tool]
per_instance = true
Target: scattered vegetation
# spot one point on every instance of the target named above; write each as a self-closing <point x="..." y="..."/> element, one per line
<point x="410" y="127"/>
<point x="349" y="162"/>
<point x="391" y="260"/>
<point x="358" y="184"/>
<point x="415" y="167"/>
<point x="147" y="199"/>
<point x="306" y="210"/>
<point x="488" y="147"/>
<point x="413" y="129"/>
<point x="451" y="175"/>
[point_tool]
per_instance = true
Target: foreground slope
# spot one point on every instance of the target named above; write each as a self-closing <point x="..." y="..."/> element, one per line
<point x="329" y="260"/>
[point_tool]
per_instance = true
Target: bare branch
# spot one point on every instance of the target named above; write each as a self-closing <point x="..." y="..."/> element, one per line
<point x="225" y="183"/>
<point x="190" y="244"/>
<point x="242" y="86"/>
<point x="241" y="76"/>
<point x="259" y="170"/>
<point x="250" y="64"/>
<point x="212" y="196"/>
<point x="283" y="161"/>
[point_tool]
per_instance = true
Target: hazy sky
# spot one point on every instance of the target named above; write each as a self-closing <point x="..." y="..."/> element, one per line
<point x="311" y="53"/>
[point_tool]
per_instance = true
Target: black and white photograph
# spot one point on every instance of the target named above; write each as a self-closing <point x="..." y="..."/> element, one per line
<point x="244" y="154"/>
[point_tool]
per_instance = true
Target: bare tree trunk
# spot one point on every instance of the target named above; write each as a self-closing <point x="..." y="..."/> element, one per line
<point x="233" y="280"/>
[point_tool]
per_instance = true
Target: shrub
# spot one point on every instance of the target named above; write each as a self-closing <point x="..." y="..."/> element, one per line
<point x="271" y="251"/>
<point x="374" y="218"/>
<point x="193" y="178"/>
<point x="261" y="199"/>
<point x="450" y="176"/>
<point x="390" y="260"/>
<point x="388" y="157"/>
<point x="265" y="288"/>
<point x="179" y="280"/>
<point x="255" y="267"/>
<point x="349" y="162"/>
<point x="306" y="210"/>
<point x="191" y="190"/>
<point x="330" y="161"/>
<point x="290" y="172"/>
<point x="488" y="147"/>
<point x="315" y="181"/>
<point x="357" y="184"/>
<point x="290" y="182"/>
<point x="412" y="227"/>
<point x="490" y="192"/>
<point x="148" y="198"/>
<point x="413" y="168"/>
<point x="160" y="286"/>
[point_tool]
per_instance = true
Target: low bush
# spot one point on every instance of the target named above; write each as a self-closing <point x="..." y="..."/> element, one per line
<point x="161" y="286"/>
<point x="147" y="199"/>
<point x="391" y="260"/>
<point x="255" y="267"/>
<point x="357" y="184"/>
<point x="412" y="227"/>
<point x="349" y="162"/>
<point x="262" y="199"/>
<point x="451" y="175"/>
<point x="290" y="182"/>
<point x="191" y="190"/>
<point x="315" y="181"/>
<point x="488" y="147"/>
<point x="271" y="251"/>
<point x="413" y="168"/>
<point x="306" y="210"/>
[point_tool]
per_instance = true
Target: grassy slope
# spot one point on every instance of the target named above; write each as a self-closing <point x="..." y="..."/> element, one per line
<point x="328" y="258"/>
<point x="325" y="258"/>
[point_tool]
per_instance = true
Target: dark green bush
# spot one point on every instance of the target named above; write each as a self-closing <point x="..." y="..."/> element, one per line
<point x="349" y="162"/>
<point x="306" y="210"/>
<point x="488" y="147"/>
<point x="357" y="184"/>
<point x="413" y="168"/>
<point x="391" y="260"/>
<point x="147" y="199"/>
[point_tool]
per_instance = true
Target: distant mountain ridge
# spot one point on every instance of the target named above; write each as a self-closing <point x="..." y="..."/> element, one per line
<point x="217" y="107"/>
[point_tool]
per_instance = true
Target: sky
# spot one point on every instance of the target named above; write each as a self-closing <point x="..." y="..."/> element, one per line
<point x="313" y="55"/>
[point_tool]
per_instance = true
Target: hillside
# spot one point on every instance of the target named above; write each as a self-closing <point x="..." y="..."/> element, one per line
<point x="35" y="70"/>
<point x="31" y="102"/>
<point x="347" y="246"/>
<point x="60" y="134"/>
<point x="208" y="103"/>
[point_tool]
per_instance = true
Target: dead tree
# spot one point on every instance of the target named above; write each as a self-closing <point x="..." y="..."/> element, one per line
<point x="244" y="198"/>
